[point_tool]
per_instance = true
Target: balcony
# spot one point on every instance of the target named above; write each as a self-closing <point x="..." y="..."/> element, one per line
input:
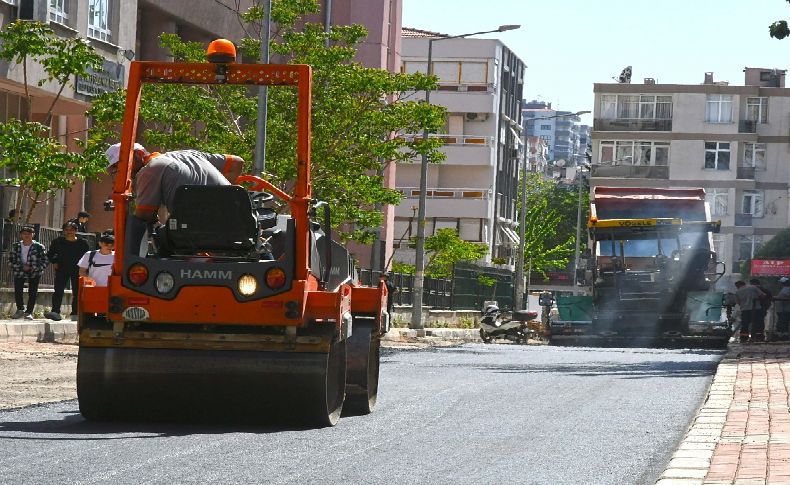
<point x="743" y="220"/>
<point x="745" y="173"/>
<point x="632" y="125"/>
<point x="468" y="88"/>
<point x="747" y="126"/>
<point x="631" y="171"/>
<point x="446" y="202"/>
<point x="465" y="149"/>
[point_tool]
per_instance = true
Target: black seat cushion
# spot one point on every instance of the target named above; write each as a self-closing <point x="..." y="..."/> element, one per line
<point x="211" y="218"/>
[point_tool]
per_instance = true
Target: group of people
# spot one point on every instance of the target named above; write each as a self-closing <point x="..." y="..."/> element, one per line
<point x="754" y="300"/>
<point x="70" y="257"/>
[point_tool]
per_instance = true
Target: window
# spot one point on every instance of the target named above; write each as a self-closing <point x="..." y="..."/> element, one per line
<point x="748" y="246"/>
<point x="757" y="109"/>
<point x="754" y="155"/>
<point x="622" y="152"/>
<point x="718" y="244"/>
<point x="718" y="109"/>
<point x="717" y="201"/>
<point x="59" y="11"/>
<point x="717" y="155"/>
<point x="99" y="20"/>
<point x="752" y="203"/>
<point x="545" y="127"/>
<point x="644" y="106"/>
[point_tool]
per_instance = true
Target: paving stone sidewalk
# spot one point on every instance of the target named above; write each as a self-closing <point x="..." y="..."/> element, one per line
<point x="741" y="435"/>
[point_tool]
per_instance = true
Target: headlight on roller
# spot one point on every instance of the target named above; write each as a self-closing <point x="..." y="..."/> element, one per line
<point x="247" y="284"/>
<point x="164" y="282"/>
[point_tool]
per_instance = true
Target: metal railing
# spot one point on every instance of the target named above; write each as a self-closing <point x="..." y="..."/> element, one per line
<point x="746" y="173"/>
<point x="743" y="219"/>
<point x="747" y="126"/>
<point x="631" y="171"/>
<point x="474" y="140"/>
<point x="446" y="193"/>
<point x="44" y="235"/>
<point x="632" y="125"/>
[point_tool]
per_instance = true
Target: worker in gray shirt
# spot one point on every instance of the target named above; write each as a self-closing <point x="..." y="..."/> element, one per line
<point x="158" y="175"/>
<point x="748" y="298"/>
<point x="782" y="301"/>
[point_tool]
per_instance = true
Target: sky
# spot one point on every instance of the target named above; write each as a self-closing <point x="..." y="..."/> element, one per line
<point x="568" y="45"/>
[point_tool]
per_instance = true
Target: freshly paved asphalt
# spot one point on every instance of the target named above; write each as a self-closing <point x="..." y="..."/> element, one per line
<point x="469" y="414"/>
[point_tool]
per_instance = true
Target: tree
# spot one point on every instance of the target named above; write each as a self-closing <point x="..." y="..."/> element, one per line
<point x="40" y="163"/>
<point x="777" y="248"/>
<point x="779" y="29"/>
<point x="358" y="115"/>
<point x="445" y="248"/>
<point x="550" y="232"/>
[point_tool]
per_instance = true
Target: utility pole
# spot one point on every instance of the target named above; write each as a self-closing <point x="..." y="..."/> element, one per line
<point x="263" y="94"/>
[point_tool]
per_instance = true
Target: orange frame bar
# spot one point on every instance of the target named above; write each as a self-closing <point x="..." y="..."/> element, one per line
<point x="300" y="76"/>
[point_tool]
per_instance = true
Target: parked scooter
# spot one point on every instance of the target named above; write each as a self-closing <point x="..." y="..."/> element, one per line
<point x="494" y="324"/>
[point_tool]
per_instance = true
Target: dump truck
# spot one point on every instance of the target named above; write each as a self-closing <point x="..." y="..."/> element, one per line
<point x="207" y="321"/>
<point x="649" y="274"/>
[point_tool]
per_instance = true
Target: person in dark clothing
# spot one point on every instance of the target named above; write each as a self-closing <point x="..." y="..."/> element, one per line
<point x="764" y="303"/>
<point x="391" y="290"/>
<point x="28" y="260"/>
<point x="82" y="221"/>
<point x="64" y="253"/>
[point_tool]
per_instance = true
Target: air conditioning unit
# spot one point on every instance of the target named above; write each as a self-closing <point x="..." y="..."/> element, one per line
<point x="476" y="116"/>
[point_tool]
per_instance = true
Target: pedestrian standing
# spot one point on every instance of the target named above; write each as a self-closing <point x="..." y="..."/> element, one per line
<point x="82" y="221"/>
<point x="64" y="253"/>
<point x="28" y="260"/>
<point x="782" y="300"/>
<point x="97" y="264"/>
<point x="748" y="298"/>
<point x="765" y="299"/>
<point x="391" y="290"/>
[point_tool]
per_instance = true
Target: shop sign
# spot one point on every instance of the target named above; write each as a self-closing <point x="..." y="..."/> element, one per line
<point x="109" y="78"/>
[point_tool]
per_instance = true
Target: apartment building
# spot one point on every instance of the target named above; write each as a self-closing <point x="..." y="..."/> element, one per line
<point x="566" y="138"/>
<point x="537" y="154"/>
<point x="104" y="23"/>
<point x="731" y="140"/>
<point x="474" y="190"/>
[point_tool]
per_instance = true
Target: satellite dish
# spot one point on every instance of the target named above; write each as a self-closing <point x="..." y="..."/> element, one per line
<point x="560" y="162"/>
<point x="625" y="76"/>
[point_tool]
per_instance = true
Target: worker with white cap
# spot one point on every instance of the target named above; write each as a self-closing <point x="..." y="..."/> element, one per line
<point x="157" y="176"/>
<point x="782" y="301"/>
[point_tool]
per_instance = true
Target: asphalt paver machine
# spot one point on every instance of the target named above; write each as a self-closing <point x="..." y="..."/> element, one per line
<point x="205" y="324"/>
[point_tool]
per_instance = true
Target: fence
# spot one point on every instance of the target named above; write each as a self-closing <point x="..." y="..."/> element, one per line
<point x="463" y="291"/>
<point x="44" y="235"/>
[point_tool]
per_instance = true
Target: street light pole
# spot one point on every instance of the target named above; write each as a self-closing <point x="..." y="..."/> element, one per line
<point x="578" y="235"/>
<point x="263" y="95"/>
<point x="518" y="300"/>
<point x="419" y="258"/>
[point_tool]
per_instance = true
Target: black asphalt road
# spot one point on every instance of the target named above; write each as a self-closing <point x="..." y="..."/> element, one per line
<point x="475" y="414"/>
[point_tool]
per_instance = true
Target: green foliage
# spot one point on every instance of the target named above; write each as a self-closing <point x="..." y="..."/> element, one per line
<point x="486" y="280"/>
<point x="358" y="115"/>
<point x="779" y="29"/>
<point x="550" y="232"/>
<point x="403" y="268"/>
<point x="445" y="248"/>
<point x="777" y="248"/>
<point x="40" y="162"/>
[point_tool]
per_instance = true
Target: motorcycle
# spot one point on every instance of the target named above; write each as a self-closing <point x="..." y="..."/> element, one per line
<point x="494" y="324"/>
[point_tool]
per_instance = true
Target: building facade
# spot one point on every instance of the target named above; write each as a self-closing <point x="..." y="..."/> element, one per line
<point x="474" y="190"/>
<point x="566" y="138"/>
<point x="731" y="140"/>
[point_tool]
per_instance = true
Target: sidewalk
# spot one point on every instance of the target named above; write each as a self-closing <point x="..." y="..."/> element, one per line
<point x="38" y="330"/>
<point x="741" y="435"/>
<point x="45" y="330"/>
